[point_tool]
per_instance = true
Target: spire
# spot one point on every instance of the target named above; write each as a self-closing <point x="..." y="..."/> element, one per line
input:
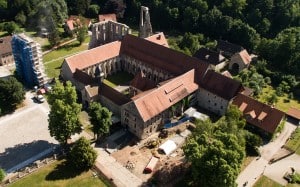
<point x="145" y="25"/>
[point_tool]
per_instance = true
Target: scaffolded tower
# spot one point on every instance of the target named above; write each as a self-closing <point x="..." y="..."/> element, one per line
<point x="28" y="60"/>
<point x="145" y="25"/>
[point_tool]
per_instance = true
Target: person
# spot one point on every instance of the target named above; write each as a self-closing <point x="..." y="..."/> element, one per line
<point x="245" y="184"/>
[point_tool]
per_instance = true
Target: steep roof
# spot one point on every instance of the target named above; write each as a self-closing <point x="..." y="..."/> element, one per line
<point x="163" y="97"/>
<point x="209" y="56"/>
<point x="107" y="17"/>
<point x="245" y="57"/>
<point x="113" y="95"/>
<point x="5" y="45"/>
<point x="83" y="77"/>
<point x="220" y="85"/>
<point x="259" y="114"/>
<point x="161" y="57"/>
<point x="73" y="19"/>
<point x="293" y="112"/>
<point x="141" y="82"/>
<point x="158" y="38"/>
<point x="228" y="47"/>
<point x="93" y="56"/>
<point x="227" y="74"/>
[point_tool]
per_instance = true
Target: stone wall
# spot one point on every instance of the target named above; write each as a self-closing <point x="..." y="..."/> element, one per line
<point x="212" y="102"/>
<point x="106" y="32"/>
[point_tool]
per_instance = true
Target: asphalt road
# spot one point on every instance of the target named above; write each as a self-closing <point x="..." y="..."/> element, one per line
<point x="24" y="135"/>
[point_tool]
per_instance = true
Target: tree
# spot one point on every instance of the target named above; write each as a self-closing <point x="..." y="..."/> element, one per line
<point x="100" y="118"/>
<point x="11" y="27"/>
<point x="63" y="116"/>
<point x="81" y="29"/>
<point x="93" y="11"/>
<point x="2" y="175"/>
<point x="216" y="150"/>
<point x="54" y="38"/>
<point x="215" y="158"/>
<point x="82" y="156"/>
<point x="11" y="93"/>
<point x="78" y="7"/>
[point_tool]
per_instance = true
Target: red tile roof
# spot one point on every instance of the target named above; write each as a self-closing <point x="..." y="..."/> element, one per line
<point x="161" y="57"/>
<point x="220" y="85"/>
<point x="227" y="74"/>
<point x="5" y="45"/>
<point x="141" y="82"/>
<point x="163" y="97"/>
<point x="72" y="20"/>
<point x="158" y="38"/>
<point x="93" y="56"/>
<point x="83" y="77"/>
<point x="293" y="112"/>
<point x="107" y="17"/>
<point x="113" y="95"/>
<point x="245" y="57"/>
<point x="259" y="114"/>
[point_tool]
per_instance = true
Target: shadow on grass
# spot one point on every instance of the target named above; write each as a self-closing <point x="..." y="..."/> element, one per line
<point x="63" y="171"/>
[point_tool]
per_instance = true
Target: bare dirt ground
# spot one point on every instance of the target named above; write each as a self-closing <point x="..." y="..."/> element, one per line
<point x="137" y="156"/>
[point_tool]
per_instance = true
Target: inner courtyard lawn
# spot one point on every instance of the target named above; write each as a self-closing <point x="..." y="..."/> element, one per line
<point x="58" y="174"/>
<point x="120" y="78"/>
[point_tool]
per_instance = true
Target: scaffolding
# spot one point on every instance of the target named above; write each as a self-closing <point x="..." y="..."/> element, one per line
<point x="28" y="60"/>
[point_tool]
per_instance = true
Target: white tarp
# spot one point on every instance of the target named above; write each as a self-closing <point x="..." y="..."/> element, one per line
<point x="168" y="147"/>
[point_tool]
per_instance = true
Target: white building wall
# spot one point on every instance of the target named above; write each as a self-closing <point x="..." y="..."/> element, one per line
<point x="212" y="102"/>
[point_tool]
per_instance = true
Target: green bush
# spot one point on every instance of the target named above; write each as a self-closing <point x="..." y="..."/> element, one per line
<point x="295" y="178"/>
<point x="2" y="174"/>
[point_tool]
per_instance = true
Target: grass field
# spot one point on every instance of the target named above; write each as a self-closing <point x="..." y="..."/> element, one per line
<point x="283" y="102"/>
<point x="294" y="142"/>
<point x="246" y="162"/>
<point x="58" y="174"/>
<point x="266" y="182"/>
<point x="120" y="78"/>
<point x="54" y="59"/>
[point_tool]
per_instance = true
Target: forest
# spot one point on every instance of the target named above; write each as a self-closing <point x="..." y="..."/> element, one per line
<point x="268" y="28"/>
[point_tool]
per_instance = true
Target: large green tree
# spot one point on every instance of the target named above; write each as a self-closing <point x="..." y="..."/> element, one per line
<point x="11" y="93"/>
<point x="64" y="111"/>
<point x="100" y="118"/>
<point x="216" y="150"/>
<point x="82" y="155"/>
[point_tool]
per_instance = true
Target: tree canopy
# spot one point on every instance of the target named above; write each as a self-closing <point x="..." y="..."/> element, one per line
<point x="11" y="94"/>
<point x="63" y="116"/>
<point x="82" y="156"/>
<point x="100" y="118"/>
<point x="216" y="150"/>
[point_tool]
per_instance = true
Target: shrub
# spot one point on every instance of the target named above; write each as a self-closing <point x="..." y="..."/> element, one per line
<point x="2" y="174"/>
<point x="82" y="155"/>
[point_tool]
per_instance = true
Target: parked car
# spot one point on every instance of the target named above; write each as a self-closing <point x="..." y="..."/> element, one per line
<point x="39" y="98"/>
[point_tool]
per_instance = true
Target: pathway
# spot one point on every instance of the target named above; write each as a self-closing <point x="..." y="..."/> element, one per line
<point x="260" y="165"/>
<point x="113" y="170"/>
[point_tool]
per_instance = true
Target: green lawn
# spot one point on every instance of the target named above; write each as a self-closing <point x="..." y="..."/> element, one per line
<point x="283" y="102"/>
<point x="266" y="182"/>
<point x="294" y="142"/>
<point x="119" y="78"/>
<point x="54" y="59"/>
<point x="58" y="174"/>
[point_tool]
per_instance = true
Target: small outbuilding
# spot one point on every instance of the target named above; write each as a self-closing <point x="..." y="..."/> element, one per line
<point x="151" y="165"/>
<point x="294" y="114"/>
<point x="168" y="147"/>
